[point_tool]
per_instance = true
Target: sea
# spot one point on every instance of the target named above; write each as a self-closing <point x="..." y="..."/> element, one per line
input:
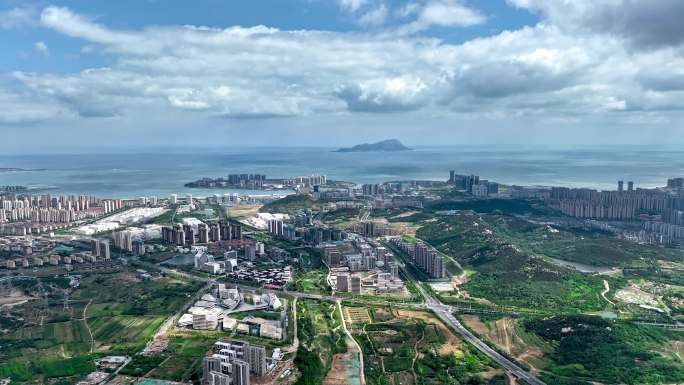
<point x="161" y="172"/>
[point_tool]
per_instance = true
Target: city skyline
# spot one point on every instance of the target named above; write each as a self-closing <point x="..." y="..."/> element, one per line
<point x="77" y="74"/>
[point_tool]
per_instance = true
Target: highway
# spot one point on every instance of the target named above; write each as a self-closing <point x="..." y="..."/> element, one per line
<point x="445" y="314"/>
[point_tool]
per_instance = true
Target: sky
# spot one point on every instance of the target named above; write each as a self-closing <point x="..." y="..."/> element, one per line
<point x="140" y="73"/>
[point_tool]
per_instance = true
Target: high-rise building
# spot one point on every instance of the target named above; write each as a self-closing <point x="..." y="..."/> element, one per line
<point x="480" y="190"/>
<point x="369" y="229"/>
<point x="173" y="199"/>
<point x="189" y="235"/>
<point x="214" y="232"/>
<point x="250" y="252"/>
<point x="138" y="247"/>
<point x="203" y="233"/>
<point x="621" y="185"/>
<point x="275" y="227"/>
<point x="231" y="362"/>
<point x="342" y="283"/>
<point x="424" y="257"/>
<point x="356" y="284"/>
<point x="123" y="240"/>
<point x="333" y="256"/>
<point x="394" y="270"/>
<point x="103" y="249"/>
<point x="219" y="370"/>
<point x="630" y="186"/>
<point x="179" y="235"/>
<point x="675" y="183"/>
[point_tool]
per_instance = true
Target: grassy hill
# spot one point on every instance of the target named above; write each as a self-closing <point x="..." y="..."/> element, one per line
<point x="291" y="204"/>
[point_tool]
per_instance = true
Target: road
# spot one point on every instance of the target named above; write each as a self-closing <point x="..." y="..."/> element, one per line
<point x="606" y="289"/>
<point x="445" y="313"/>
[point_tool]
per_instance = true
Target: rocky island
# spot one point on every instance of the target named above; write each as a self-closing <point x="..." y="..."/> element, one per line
<point x="385" y="145"/>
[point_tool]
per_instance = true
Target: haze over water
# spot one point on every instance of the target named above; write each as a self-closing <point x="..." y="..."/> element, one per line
<point x="160" y="173"/>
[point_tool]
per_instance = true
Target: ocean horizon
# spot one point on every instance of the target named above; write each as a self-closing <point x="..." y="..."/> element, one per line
<point x="161" y="171"/>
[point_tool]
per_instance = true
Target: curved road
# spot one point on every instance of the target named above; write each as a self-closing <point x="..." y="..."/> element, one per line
<point x="445" y="313"/>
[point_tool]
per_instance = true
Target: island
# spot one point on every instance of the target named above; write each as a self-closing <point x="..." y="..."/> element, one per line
<point x="16" y="169"/>
<point x="385" y="145"/>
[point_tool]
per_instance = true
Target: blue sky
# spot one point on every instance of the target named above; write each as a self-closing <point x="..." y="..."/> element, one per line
<point x="326" y="15"/>
<point x="337" y="72"/>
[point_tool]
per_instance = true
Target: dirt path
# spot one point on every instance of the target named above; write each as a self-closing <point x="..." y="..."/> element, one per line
<point x="677" y="346"/>
<point x="295" y="341"/>
<point x="507" y="339"/>
<point x="606" y="289"/>
<point x="415" y="356"/>
<point x="85" y="321"/>
<point x="362" y="375"/>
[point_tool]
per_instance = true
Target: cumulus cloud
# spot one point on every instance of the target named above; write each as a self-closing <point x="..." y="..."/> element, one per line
<point x="71" y="24"/>
<point x="644" y="23"/>
<point x="262" y="72"/>
<point x="25" y="16"/>
<point x="374" y="17"/>
<point x="21" y="109"/>
<point x="391" y="94"/>
<point x="440" y="13"/>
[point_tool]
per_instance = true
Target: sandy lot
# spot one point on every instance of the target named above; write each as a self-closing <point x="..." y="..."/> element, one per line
<point x="503" y="333"/>
<point x="9" y="298"/>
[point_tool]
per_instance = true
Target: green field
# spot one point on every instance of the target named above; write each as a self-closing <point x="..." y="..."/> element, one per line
<point x="292" y="204"/>
<point x="415" y="348"/>
<point x="313" y="281"/>
<point x="320" y="336"/>
<point x="122" y="313"/>
<point x="165" y="218"/>
<point x="505" y="274"/>
<point x="182" y="359"/>
<point x="593" y="349"/>
<point x="595" y="248"/>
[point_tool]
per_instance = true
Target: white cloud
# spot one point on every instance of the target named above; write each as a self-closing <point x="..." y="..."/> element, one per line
<point x="20" y="109"/>
<point x="63" y="20"/>
<point x="390" y="94"/>
<point x="643" y="23"/>
<point x="541" y="71"/>
<point x="18" y="17"/>
<point x="409" y="9"/>
<point x="352" y="5"/>
<point x="41" y="48"/>
<point x="440" y="13"/>
<point x="375" y="17"/>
